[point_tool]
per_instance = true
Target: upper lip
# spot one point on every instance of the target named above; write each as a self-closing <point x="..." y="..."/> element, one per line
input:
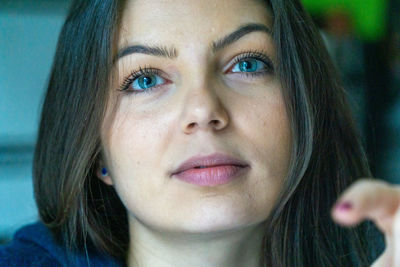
<point x="215" y="159"/>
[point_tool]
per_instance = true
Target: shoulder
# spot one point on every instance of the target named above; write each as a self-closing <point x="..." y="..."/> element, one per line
<point x="25" y="250"/>
<point x="34" y="245"/>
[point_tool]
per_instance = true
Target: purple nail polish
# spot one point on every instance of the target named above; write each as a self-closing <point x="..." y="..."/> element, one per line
<point x="344" y="206"/>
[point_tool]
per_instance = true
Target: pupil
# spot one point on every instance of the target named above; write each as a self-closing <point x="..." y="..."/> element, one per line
<point x="246" y="66"/>
<point x="145" y="82"/>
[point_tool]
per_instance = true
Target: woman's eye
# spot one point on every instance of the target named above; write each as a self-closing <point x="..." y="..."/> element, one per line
<point x="249" y="65"/>
<point x="145" y="82"/>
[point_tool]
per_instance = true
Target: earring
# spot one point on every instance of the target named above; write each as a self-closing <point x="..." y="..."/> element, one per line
<point x="104" y="171"/>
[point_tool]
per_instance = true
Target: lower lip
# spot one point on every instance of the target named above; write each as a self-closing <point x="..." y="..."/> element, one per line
<point x="211" y="176"/>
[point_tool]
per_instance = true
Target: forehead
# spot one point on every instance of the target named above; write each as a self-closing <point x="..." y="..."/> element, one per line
<point x="185" y="21"/>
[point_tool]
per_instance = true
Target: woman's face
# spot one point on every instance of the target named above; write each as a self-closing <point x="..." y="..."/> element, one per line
<point x="202" y="97"/>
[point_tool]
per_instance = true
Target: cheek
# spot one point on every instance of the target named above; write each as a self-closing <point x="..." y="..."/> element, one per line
<point x="129" y="143"/>
<point x="275" y="136"/>
<point x="135" y="136"/>
<point x="267" y="130"/>
<point x="134" y="151"/>
<point x="267" y="134"/>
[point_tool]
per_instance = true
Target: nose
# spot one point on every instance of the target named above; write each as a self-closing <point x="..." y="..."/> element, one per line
<point x="203" y="111"/>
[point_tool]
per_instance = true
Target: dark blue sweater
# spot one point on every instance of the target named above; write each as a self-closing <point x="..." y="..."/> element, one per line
<point x="33" y="245"/>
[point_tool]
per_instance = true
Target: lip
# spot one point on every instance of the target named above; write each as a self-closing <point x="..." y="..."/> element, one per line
<point x="215" y="169"/>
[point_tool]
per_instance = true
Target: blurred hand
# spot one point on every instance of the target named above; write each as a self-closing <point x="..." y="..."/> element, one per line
<point x="379" y="202"/>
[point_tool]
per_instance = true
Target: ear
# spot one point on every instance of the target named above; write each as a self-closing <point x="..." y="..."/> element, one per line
<point x="103" y="173"/>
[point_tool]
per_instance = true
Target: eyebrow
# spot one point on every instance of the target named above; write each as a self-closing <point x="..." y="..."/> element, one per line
<point x="149" y="50"/>
<point x="239" y="33"/>
<point x="171" y="52"/>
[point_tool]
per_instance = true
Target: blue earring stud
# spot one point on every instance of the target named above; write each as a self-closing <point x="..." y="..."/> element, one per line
<point x="104" y="171"/>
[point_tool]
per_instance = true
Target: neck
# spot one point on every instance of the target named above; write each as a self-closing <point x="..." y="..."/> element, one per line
<point x="149" y="247"/>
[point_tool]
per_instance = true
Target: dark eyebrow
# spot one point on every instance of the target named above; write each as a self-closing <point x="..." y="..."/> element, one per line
<point x="149" y="50"/>
<point x="239" y="33"/>
<point x="171" y="52"/>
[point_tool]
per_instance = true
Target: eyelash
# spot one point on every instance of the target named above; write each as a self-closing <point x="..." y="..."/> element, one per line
<point x="136" y="74"/>
<point x="259" y="55"/>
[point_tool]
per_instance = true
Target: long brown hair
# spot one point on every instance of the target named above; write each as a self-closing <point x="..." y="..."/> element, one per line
<point x="327" y="155"/>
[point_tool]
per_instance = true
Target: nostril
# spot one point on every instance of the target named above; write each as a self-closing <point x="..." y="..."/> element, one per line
<point x="191" y="125"/>
<point x="212" y="123"/>
<point x="215" y="122"/>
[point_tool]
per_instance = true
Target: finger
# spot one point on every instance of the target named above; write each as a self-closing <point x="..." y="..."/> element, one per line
<point x="384" y="260"/>
<point x="391" y="256"/>
<point x="368" y="199"/>
<point x="396" y="238"/>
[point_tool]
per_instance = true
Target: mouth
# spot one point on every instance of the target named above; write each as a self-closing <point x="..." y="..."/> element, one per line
<point x="212" y="170"/>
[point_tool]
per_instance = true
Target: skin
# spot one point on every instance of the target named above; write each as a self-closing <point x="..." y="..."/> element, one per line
<point x="378" y="201"/>
<point x="200" y="109"/>
<point x="203" y="108"/>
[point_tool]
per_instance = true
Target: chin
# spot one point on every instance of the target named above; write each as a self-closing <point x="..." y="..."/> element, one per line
<point x="214" y="221"/>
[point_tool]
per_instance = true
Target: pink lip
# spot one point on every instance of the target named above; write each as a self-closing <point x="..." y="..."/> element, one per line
<point x="215" y="169"/>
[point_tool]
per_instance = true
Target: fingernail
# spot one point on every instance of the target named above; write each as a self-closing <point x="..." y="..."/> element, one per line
<point x="344" y="206"/>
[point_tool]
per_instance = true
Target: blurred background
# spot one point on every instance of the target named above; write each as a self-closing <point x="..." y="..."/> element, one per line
<point x="362" y="36"/>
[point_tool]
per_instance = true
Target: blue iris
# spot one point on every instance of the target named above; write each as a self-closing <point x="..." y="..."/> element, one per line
<point x="248" y="65"/>
<point x="145" y="82"/>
